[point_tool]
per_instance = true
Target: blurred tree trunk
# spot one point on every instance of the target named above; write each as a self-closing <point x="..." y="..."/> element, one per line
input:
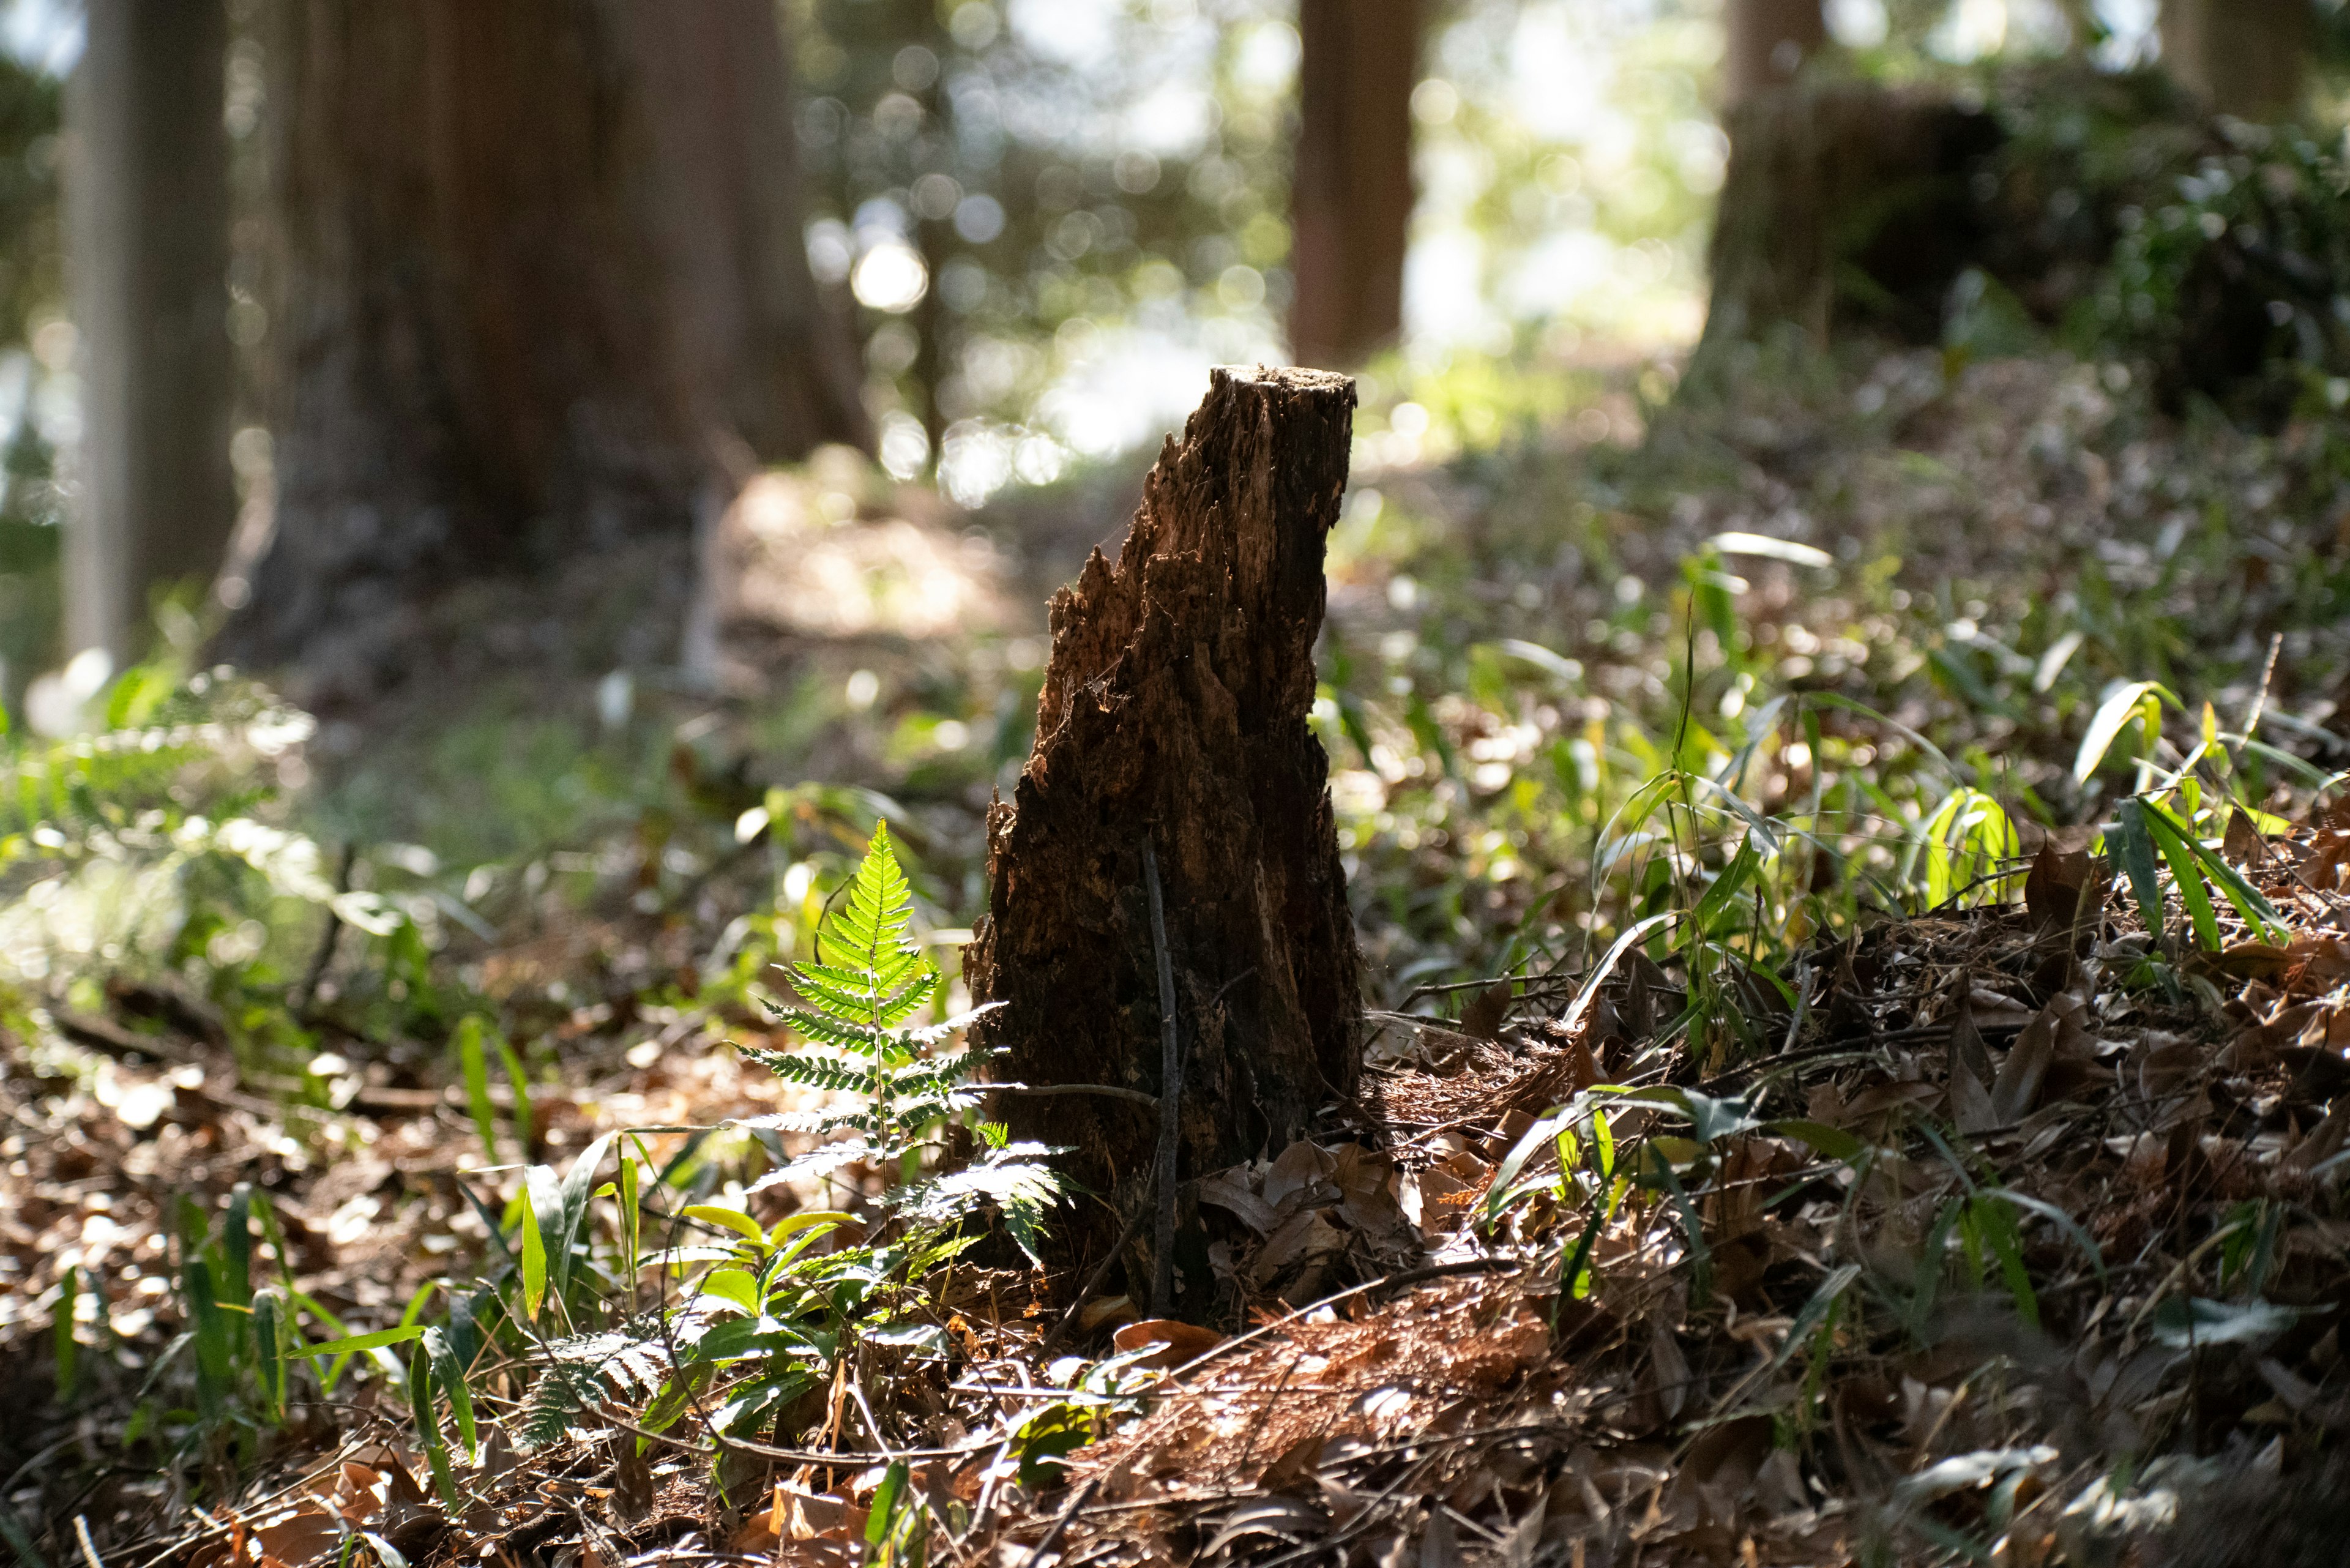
<point x="2247" y="57"/>
<point x="1846" y="204"/>
<point x="1766" y="44"/>
<point x="546" y="293"/>
<point x="147" y="225"/>
<point x="1351" y="191"/>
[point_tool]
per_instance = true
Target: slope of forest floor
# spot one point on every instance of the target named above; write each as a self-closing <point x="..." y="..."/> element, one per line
<point x="1795" y="1135"/>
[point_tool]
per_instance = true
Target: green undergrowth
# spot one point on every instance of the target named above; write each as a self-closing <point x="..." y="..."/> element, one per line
<point x="616" y="1283"/>
<point x="1845" y="645"/>
<point x="1866" y="621"/>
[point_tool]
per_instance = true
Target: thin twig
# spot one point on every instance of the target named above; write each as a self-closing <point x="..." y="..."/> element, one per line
<point x="1170" y="1093"/>
<point x="2268" y="673"/>
<point x="1094" y="1280"/>
<point x="329" y="939"/>
<point x="1408" y="1277"/>
<point x="1107" y="1090"/>
<point x="847" y="1461"/>
<point x="1053" y="1536"/>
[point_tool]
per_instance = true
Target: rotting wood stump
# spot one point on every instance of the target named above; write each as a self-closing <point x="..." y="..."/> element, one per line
<point x="1175" y="713"/>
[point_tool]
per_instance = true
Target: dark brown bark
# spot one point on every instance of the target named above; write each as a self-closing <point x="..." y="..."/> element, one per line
<point x="2246" y="58"/>
<point x="147" y="219"/>
<point x="1846" y="204"/>
<point x="545" y="289"/>
<point x="1351" y="191"/>
<point x="1767" y="43"/>
<point x="1175" y="710"/>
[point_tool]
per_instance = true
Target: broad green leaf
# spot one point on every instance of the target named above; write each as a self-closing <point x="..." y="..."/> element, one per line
<point x="451" y="1375"/>
<point x="525" y="1131"/>
<point x="630" y="1219"/>
<point x="534" y="1250"/>
<point x="578" y="1182"/>
<point x="2118" y="709"/>
<point x="268" y="1347"/>
<point x="1996" y="1224"/>
<point x="1623" y="944"/>
<point x="2178" y="852"/>
<point x="1535" y="1139"/>
<point x="733" y="1220"/>
<point x="1832" y="1142"/>
<point x="793" y="1224"/>
<point x="1739" y="543"/>
<point x="2065" y="1223"/>
<point x="1717" y="899"/>
<point x="734" y="1287"/>
<point x="357" y="1343"/>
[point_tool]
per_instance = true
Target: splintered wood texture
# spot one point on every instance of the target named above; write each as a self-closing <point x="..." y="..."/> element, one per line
<point x="1175" y="704"/>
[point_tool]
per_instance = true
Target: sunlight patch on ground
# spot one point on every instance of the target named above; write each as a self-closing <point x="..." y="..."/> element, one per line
<point x="811" y="553"/>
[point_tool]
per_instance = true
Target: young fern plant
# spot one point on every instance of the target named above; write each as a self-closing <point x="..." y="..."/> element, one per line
<point x="868" y="981"/>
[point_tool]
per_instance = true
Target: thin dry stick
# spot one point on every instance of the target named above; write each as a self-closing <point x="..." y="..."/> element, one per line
<point x="1170" y="1095"/>
<point x="1107" y="1090"/>
<point x="1053" y="1536"/>
<point x="1094" y="1280"/>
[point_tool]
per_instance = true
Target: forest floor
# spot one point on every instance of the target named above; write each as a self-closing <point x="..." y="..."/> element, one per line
<point x="1794" y="1134"/>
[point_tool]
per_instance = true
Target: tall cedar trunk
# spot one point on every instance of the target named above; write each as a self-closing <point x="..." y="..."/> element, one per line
<point x="147" y="225"/>
<point x="1767" y="43"/>
<point x="546" y="288"/>
<point x="2247" y="57"/>
<point x="1175" y="710"/>
<point x="1351" y="191"/>
<point x="1846" y="204"/>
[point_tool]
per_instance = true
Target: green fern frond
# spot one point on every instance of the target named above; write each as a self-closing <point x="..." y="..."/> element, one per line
<point x="1015" y="1178"/>
<point x="857" y="1039"/>
<point x="579" y="1373"/>
<point x="868" y="981"/>
<point x="814" y="1071"/>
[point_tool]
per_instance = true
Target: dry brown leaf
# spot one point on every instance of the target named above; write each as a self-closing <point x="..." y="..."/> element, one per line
<point x="1234" y="1191"/>
<point x="2057" y="1031"/>
<point x="297" y="1537"/>
<point x="1971" y="1069"/>
<point x="1301" y="1167"/>
<point x="1182" y="1342"/>
<point x="1295" y="1462"/>
<point x="2242" y="845"/>
<point x="1305" y="1237"/>
<point x="1482" y="1017"/>
<point x="2052" y="889"/>
<point x="1105" y="1309"/>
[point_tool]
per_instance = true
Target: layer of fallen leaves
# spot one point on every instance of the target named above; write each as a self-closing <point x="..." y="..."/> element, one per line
<point x="2134" y="1360"/>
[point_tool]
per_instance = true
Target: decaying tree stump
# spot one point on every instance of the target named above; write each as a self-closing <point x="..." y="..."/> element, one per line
<point x="1174" y="712"/>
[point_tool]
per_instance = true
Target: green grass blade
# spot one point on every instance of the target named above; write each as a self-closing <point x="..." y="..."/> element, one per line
<point x="525" y="1128"/>
<point x="67" y="1350"/>
<point x="2134" y="847"/>
<point x="475" y="1072"/>
<point x="2178" y="852"/>
<point x="357" y="1344"/>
